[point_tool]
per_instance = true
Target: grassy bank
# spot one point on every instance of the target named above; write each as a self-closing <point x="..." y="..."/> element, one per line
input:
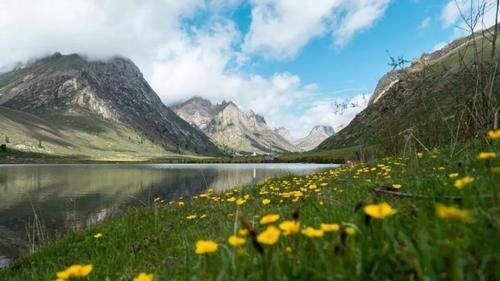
<point x="441" y="223"/>
<point x="12" y="156"/>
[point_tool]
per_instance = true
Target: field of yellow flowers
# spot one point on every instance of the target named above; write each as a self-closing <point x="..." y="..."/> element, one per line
<point x="431" y="216"/>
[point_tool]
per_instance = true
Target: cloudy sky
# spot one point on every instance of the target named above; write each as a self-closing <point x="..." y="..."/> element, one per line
<point x="288" y="60"/>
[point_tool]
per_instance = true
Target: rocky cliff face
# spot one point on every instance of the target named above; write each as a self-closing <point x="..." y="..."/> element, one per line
<point x="316" y="136"/>
<point x="286" y="134"/>
<point x="114" y="90"/>
<point x="232" y="129"/>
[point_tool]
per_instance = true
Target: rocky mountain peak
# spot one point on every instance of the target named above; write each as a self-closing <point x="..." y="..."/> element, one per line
<point x="285" y="133"/>
<point x="322" y="130"/>
<point x="112" y="89"/>
<point x="316" y="136"/>
<point x="232" y="128"/>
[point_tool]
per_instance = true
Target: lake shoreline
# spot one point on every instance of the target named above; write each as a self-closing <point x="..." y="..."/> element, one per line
<point x="340" y="228"/>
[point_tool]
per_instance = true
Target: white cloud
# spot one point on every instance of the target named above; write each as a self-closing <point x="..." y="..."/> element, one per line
<point x="439" y="46"/>
<point x="181" y="60"/>
<point x="358" y="15"/>
<point x="326" y="112"/>
<point x="453" y="12"/>
<point x="281" y="28"/>
<point x="425" y="23"/>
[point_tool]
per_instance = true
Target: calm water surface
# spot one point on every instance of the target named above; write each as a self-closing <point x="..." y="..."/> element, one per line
<point x="39" y="202"/>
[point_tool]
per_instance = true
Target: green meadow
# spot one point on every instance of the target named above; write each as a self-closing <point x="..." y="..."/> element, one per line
<point x="431" y="215"/>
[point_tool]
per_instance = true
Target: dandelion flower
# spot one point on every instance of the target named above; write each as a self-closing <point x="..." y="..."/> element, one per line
<point x="313" y="233"/>
<point x="396" y="186"/>
<point x="243" y="232"/>
<point x="453" y="213"/>
<point x="98" y="235"/>
<point x="494" y="134"/>
<point x="486" y="155"/>
<point x="289" y="227"/>
<point x="379" y="211"/>
<point x="461" y="182"/>
<point x="206" y="247"/>
<point x="75" y="271"/>
<point x="420" y="155"/>
<point x="240" y="201"/>
<point x="236" y="241"/>
<point x="190" y="217"/>
<point x="231" y="199"/>
<point x="350" y="231"/>
<point x="453" y="175"/>
<point x="330" y="227"/>
<point x="266" y="201"/>
<point x="144" y="277"/>
<point x="269" y="218"/>
<point x="269" y="236"/>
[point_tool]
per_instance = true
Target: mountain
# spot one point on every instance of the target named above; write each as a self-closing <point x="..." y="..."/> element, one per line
<point x="442" y="97"/>
<point x="232" y="129"/>
<point x="286" y="134"/>
<point x="75" y="105"/>
<point x="316" y="136"/>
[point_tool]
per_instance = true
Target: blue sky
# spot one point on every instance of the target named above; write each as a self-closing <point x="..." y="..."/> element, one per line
<point x="360" y="63"/>
<point x="288" y="60"/>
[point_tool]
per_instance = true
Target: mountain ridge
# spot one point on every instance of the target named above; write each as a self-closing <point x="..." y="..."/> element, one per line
<point x="234" y="130"/>
<point x="113" y="90"/>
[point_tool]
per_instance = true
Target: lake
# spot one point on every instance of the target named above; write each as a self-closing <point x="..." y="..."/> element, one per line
<point x="42" y="202"/>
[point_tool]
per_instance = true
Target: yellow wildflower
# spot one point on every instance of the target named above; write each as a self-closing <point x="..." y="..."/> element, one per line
<point x="330" y="227"/>
<point x="453" y="175"/>
<point x="313" y="233"/>
<point x="203" y="216"/>
<point x="379" y="211"/>
<point x="98" y="235"/>
<point x="420" y="155"/>
<point x="144" y="277"/>
<point x="236" y="241"/>
<point x="461" y="182"/>
<point x="231" y="199"/>
<point x="180" y="204"/>
<point x="289" y="227"/>
<point x="266" y="201"/>
<point x="269" y="218"/>
<point x="243" y="232"/>
<point x="453" y="213"/>
<point x="350" y="231"/>
<point x="494" y="134"/>
<point x="206" y="247"/>
<point x="269" y="236"/>
<point x="76" y="270"/>
<point x="191" y="217"/>
<point x="240" y="201"/>
<point x="396" y="186"/>
<point x="486" y="155"/>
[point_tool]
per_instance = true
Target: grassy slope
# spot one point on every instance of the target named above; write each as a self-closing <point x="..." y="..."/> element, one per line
<point x="73" y="136"/>
<point x="413" y="244"/>
<point x="430" y="102"/>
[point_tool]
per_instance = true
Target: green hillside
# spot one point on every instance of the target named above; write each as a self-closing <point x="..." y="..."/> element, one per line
<point x="81" y="135"/>
<point x="445" y="97"/>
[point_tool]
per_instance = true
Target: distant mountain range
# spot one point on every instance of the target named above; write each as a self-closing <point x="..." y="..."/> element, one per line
<point x="316" y="136"/>
<point x="69" y="105"/>
<point x="234" y="130"/>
